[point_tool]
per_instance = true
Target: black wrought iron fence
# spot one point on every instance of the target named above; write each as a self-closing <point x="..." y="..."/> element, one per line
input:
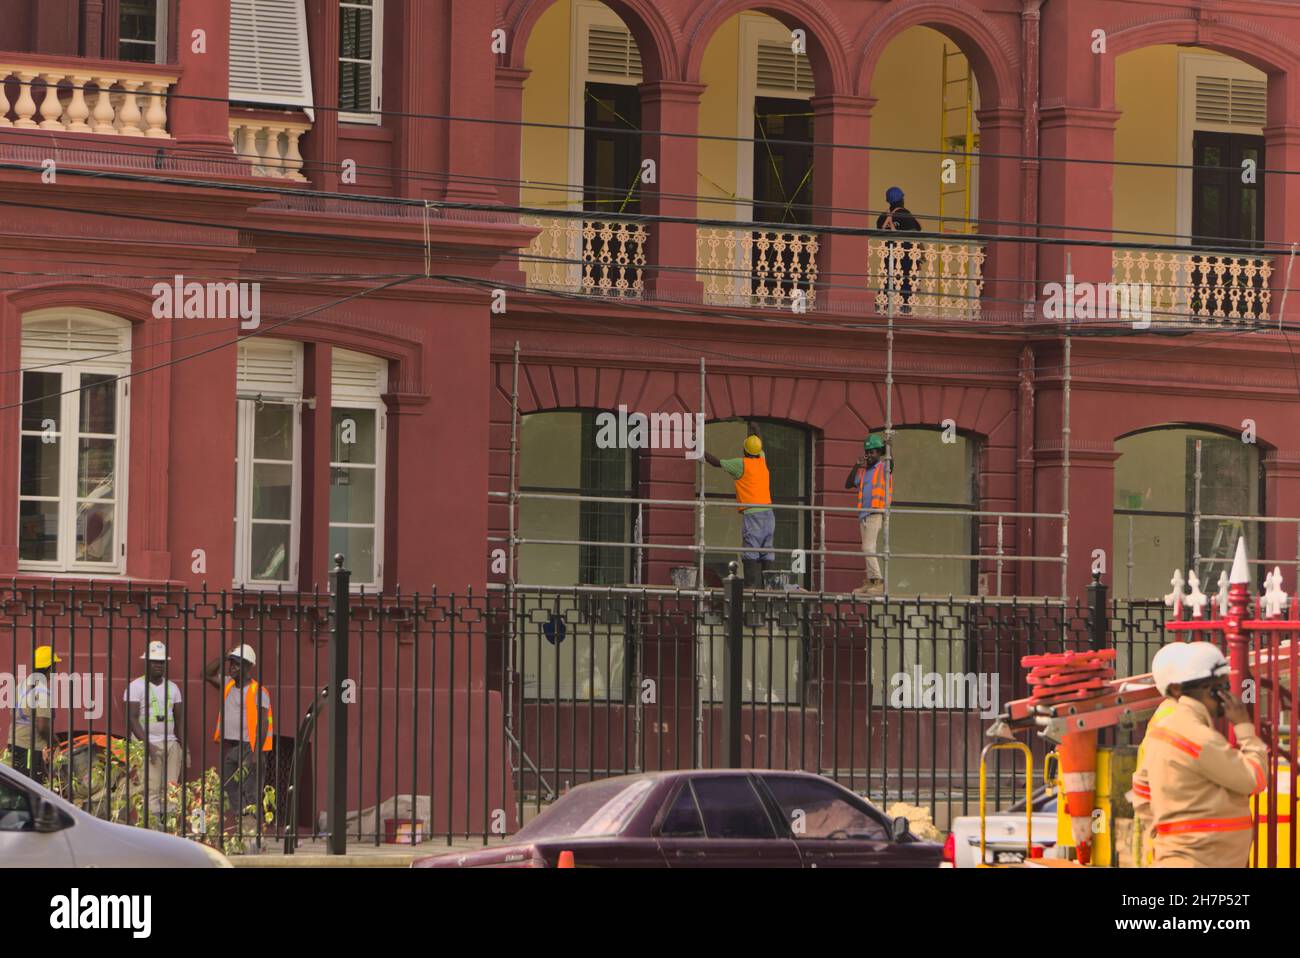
<point x="464" y="715"/>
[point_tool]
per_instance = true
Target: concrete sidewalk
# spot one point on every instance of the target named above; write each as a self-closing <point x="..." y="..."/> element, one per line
<point x="362" y="854"/>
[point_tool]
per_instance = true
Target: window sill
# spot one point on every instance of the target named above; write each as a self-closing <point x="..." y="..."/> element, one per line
<point x="28" y="578"/>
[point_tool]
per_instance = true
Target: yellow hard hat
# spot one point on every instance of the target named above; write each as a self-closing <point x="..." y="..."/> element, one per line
<point x="753" y="445"/>
<point x="44" y="654"/>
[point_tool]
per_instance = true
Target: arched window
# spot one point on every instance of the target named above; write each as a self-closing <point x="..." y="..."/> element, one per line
<point x="1156" y="495"/>
<point x="935" y="471"/>
<point x="788" y="450"/>
<point x="558" y="453"/>
<point x="72" y="472"/>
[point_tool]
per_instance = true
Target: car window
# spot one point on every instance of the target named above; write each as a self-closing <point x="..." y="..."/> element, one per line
<point x="731" y="808"/>
<point x="683" y="819"/>
<point x="820" y="810"/>
<point x="15" y="809"/>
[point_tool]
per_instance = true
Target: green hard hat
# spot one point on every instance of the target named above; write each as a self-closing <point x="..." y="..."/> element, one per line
<point x="874" y="442"/>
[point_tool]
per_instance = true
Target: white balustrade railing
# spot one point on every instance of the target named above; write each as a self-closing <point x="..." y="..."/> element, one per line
<point x="1198" y="285"/>
<point x="744" y="267"/>
<point x="270" y="145"/>
<point x="929" y="277"/>
<point x="83" y="96"/>
<point x="595" y="257"/>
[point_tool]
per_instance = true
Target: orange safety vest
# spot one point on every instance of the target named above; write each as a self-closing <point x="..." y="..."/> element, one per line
<point x="754" y="487"/>
<point x="250" y="716"/>
<point x="882" y="487"/>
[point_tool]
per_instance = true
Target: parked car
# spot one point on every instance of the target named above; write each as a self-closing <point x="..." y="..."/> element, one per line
<point x="708" y="818"/>
<point x="1004" y="834"/>
<point x="38" y="829"/>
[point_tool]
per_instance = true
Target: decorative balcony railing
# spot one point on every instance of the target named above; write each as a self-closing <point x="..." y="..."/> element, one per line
<point x="1200" y="286"/>
<point x="594" y="257"/>
<point x="83" y="96"/>
<point x="933" y="278"/>
<point x="270" y="145"/>
<point x="743" y="267"/>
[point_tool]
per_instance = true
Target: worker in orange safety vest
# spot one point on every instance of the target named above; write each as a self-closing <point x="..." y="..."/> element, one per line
<point x="1200" y="785"/>
<point x="244" y="730"/>
<point x="1164" y="665"/>
<point x="874" y="480"/>
<point x="754" y="498"/>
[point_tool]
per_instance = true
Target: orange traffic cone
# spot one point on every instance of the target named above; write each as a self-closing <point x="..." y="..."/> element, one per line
<point x="566" y="860"/>
<point x="1078" y="752"/>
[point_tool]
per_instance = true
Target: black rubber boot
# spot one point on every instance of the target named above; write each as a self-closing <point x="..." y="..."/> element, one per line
<point x="751" y="573"/>
<point x="764" y="567"/>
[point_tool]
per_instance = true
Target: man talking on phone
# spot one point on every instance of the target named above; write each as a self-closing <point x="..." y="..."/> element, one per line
<point x="1200" y="785"/>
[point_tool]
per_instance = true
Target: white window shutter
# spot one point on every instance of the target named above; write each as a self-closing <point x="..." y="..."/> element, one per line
<point x="783" y="70"/>
<point x="268" y="53"/>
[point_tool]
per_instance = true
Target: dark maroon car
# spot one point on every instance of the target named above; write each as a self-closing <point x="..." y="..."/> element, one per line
<point x="708" y="819"/>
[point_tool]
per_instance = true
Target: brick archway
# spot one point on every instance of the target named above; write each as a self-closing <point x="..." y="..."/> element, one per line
<point x="657" y="38"/>
<point x="993" y="55"/>
<point x="827" y="51"/>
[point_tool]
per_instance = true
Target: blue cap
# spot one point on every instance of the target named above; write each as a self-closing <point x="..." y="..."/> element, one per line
<point x="894" y="196"/>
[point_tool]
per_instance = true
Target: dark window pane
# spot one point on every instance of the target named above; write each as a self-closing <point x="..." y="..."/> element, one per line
<point x="683" y="819"/>
<point x="270" y="555"/>
<point x="353" y="435"/>
<point x="95" y="532"/>
<point x="41" y="399"/>
<point x="38" y="531"/>
<point x="358" y="549"/>
<point x="273" y="432"/>
<point x="731" y="808"/>
<point x="39" y="473"/>
<point x="95" y="468"/>
<point x="15" y="809"/>
<point x="819" y="810"/>
<point x="98" y="403"/>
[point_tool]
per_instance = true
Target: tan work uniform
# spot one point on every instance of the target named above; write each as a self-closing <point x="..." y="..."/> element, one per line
<point x="1200" y="789"/>
<point x="1140" y="796"/>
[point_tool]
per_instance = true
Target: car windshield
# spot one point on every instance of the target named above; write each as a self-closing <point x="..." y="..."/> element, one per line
<point x="600" y="808"/>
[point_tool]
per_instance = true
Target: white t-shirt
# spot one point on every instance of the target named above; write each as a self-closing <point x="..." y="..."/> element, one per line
<point x="154" y="707"/>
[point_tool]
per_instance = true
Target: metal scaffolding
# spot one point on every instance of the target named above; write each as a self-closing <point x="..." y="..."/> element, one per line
<point x="639" y="545"/>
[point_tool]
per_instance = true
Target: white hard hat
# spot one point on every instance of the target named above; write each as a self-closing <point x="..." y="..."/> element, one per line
<point x="244" y="652"/>
<point x="1201" y="660"/>
<point x="157" y="652"/>
<point x="1165" y="664"/>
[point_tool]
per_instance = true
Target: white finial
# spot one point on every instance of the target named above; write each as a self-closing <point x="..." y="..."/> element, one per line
<point x="1240" y="567"/>
<point x="1196" y="600"/>
<point x="1175" y="599"/>
<point x="1223" y="595"/>
<point x="1274" y="597"/>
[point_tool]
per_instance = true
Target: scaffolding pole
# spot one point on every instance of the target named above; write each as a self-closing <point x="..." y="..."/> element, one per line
<point x="1065" y="475"/>
<point x="889" y="412"/>
<point x="1196" y="514"/>
<point x="697" y="698"/>
<point x="512" y="639"/>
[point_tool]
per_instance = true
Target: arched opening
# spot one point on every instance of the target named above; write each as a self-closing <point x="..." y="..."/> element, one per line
<point x="936" y="471"/>
<point x="1202" y="190"/>
<point x="1168" y="482"/>
<point x="787" y="449"/>
<point x="927" y="109"/>
<point x="759" y="77"/>
<point x="583" y="150"/>
<point x="559" y="455"/>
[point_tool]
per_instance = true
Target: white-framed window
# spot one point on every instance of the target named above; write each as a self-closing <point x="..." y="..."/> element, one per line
<point x="73" y="440"/>
<point x="358" y="434"/>
<point x="361" y="48"/>
<point x="268" y="463"/>
<point x="142" y="31"/>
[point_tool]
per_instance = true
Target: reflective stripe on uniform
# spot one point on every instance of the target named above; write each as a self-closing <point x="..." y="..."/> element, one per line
<point x="1177" y="741"/>
<point x="1206" y="825"/>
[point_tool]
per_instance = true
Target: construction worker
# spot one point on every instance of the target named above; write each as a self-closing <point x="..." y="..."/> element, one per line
<point x="244" y="730"/>
<point x="754" y="493"/>
<point x="870" y="475"/>
<point x="154" y="716"/>
<point x="1201" y="785"/>
<point x="901" y="263"/>
<point x="1164" y="666"/>
<point x="32" y="732"/>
